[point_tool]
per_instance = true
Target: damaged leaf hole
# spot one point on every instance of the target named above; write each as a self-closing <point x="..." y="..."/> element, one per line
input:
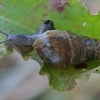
<point x="45" y="15"/>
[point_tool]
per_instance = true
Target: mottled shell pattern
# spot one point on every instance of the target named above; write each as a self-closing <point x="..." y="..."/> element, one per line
<point x="60" y="48"/>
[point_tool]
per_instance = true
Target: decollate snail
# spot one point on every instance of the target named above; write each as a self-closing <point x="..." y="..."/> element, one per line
<point x="59" y="48"/>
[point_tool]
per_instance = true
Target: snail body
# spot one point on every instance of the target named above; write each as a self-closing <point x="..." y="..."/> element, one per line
<point x="60" y="48"/>
<point x="23" y="42"/>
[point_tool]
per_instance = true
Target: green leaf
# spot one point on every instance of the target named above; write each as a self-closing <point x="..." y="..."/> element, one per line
<point x="60" y="78"/>
<point x="76" y="18"/>
<point x="64" y="78"/>
<point x="25" y="16"/>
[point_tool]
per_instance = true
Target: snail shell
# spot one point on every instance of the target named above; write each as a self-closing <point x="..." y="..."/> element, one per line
<point x="60" y="48"/>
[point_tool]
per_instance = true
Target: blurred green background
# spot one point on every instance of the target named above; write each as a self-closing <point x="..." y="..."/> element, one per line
<point x="19" y="79"/>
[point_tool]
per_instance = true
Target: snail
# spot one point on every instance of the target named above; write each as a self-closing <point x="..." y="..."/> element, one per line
<point x="55" y="47"/>
<point x="23" y="42"/>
